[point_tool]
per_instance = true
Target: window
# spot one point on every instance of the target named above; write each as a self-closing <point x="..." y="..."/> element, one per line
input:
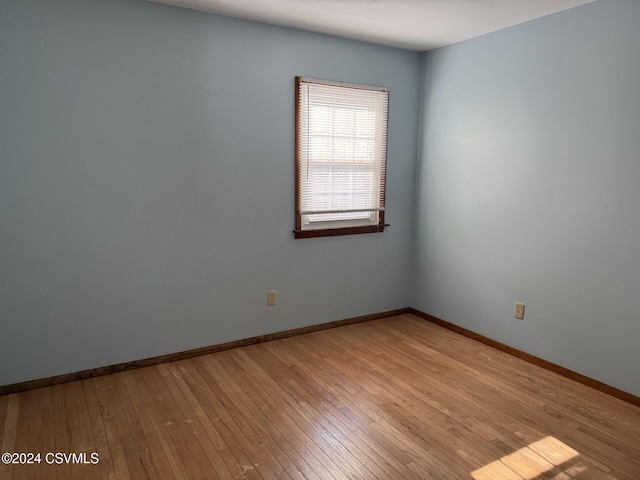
<point x="341" y="154"/>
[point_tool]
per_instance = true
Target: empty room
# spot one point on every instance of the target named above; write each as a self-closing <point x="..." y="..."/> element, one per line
<point x="320" y="239"/>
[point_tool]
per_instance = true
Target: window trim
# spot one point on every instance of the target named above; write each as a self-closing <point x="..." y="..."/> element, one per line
<point x="299" y="232"/>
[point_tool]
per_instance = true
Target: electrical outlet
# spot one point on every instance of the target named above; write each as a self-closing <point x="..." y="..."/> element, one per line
<point x="271" y="298"/>
<point x="519" y="311"/>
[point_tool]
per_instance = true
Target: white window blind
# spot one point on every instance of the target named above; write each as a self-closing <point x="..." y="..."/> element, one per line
<point x="341" y="136"/>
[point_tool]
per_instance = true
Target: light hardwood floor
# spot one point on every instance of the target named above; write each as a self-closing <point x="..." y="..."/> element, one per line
<point x="388" y="399"/>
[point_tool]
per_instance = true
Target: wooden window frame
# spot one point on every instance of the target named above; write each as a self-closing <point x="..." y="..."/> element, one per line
<point x="299" y="231"/>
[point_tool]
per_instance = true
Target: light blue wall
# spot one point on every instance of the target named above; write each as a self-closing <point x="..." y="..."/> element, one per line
<point x="146" y="184"/>
<point x="529" y="189"/>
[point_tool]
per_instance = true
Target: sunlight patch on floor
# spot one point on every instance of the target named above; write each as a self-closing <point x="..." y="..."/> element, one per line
<point x="530" y="462"/>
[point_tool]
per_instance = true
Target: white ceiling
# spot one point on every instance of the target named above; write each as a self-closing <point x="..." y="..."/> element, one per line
<point x="410" y="24"/>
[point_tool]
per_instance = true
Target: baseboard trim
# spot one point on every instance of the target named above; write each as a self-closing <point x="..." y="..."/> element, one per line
<point x="172" y="357"/>
<point x="565" y="372"/>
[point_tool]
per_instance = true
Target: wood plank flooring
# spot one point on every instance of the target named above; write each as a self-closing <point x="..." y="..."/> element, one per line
<point x="392" y="399"/>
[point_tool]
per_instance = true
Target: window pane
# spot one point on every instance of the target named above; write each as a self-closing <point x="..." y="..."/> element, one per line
<point x="340" y="155"/>
<point x="336" y="186"/>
